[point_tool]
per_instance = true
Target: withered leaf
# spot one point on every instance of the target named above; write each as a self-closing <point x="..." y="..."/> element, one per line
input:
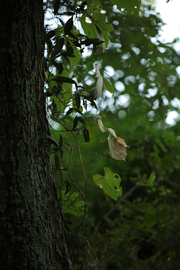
<point x="99" y="84"/>
<point x="117" y="145"/>
<point x="100" y="124"/>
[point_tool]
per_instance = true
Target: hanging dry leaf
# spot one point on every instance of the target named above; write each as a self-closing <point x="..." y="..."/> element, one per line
<point x="99" y="84"/>
<point x="100" y="124"/>
<point x="117" y="145"/>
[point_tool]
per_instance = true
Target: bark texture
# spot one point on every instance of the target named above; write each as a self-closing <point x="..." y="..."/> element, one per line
<point x="32" y="234"/>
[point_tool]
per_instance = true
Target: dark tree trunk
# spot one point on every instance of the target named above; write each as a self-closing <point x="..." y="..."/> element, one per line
<point x="32" y="233"/>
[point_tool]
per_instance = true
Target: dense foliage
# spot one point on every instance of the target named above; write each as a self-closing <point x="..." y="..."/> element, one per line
<point x="140" y="229"/>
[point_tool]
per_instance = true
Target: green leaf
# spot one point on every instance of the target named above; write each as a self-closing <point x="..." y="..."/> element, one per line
<point x="68" y="26"/>
<point x="128" y="6"/>
<point x="99" y="20"/>
<point x="77" y="99"/>
<point x="56" y="6"/>
<point x="75" y="122"/>
<point x="75" y="109"/>
<point x="75" y="60"/>
<point x="64" y="80"/>
<point x="49" y="35"/>
<point x="58" y="65"/>
<point x="90" y="98"/>
<point x="68" y="187"/>
<point x="151" y="178"/>
<point x="88" y="28"/>
<point x="56" y="149"/>
<point x="149" y="221"/>
<point x="60" y="68"/>
<point x="88" y="5"/>
<point x="52" y="141"/>
<point x="93" y="41"/>
<point x="71" y="207"/>
<point x="108" y="86"/>
<point x="69" y="222"/>
<point x="146" y="208"/>
<point x="69" y="51"/>
<point x="110" y="183"/>
<point x="86" y="135"/>
<point x="81" y="120"/>
<point x="60" y="141"/>
<point x="57" y="162"/>
<point x="48" y="94"/>
<point x="58" y="47"/>
<point x="70" y="111"/>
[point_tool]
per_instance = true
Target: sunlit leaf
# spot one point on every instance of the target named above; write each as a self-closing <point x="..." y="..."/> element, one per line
<point x="110" y="183"/>
<point x="88" y="27"/>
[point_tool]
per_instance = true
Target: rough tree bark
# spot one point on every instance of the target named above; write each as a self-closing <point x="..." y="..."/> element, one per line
<point x="32" y="233"/>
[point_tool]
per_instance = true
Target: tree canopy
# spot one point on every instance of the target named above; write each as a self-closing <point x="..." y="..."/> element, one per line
<point x="120" y="214"/>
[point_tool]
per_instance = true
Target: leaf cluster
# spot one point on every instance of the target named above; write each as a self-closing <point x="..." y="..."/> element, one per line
<point x="134" y="224"/>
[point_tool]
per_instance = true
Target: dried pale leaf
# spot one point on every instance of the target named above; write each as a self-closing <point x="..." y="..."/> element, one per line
<point x="99" y="84"/>
<point x="100" y="124"/>
<point x="121" y="141"/>
<point x="117" y="146"/>
<point x="112" y="132"/>
<point x="97" y="71"/>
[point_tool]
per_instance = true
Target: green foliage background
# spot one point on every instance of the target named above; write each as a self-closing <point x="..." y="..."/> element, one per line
<point x="140" y="230"/>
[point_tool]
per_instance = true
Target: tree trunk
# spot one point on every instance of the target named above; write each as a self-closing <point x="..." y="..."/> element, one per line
<point x="32" y="233"/>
